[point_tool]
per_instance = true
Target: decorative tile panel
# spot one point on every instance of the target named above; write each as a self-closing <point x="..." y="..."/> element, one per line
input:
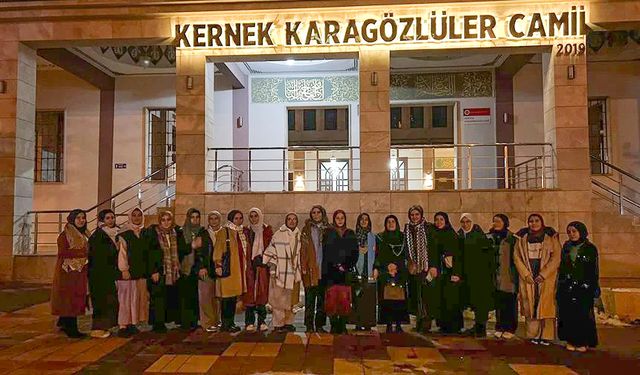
<point x="410" y="86"/>
<point x="314" y="89"/>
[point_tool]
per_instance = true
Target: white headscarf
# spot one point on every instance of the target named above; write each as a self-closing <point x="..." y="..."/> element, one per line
<point x="468" y="217"/>
<point x="258" y="229"/>
<point x="212" y="232"/>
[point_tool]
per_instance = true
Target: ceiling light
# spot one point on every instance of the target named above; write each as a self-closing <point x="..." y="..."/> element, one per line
<point x="145" y="61"/>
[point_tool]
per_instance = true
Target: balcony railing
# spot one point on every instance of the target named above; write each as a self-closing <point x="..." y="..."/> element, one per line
<point x="472" y="166"/>
<point x="296" y="168"/>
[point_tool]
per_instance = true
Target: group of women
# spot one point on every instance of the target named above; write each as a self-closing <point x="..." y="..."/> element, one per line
<point x="195" y="275"/>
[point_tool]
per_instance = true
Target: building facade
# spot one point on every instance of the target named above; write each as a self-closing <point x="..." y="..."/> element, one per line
<point x="482" y="107"/>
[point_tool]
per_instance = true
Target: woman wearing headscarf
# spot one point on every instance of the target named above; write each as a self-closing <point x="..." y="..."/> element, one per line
<point x="339" y="256"/>
<point x="134" y="249"/>
<point x="363" y="314"/>
<point x="478" y="275"/>
<point x="164" y="269"/>
<point x="103" y="273"/>
<point x="229" y="260"/>
<point x="449" y="291"/>
<point x="208" y="303"/>
<point x="424" y="268"/>
<point x="503" y="242"/>
<point x="392" y="275"/>
<point x="311" y="268"/>
<point x="69" y="289"/>
<point x="537" y="257"/>
<point x="282" y="256"/>
<point x="257" y="272"/>
<point x="578" y="285"/>
<point x="188" y="281"/>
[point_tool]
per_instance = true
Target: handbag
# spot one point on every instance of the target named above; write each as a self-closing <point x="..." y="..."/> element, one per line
<point x="338" y="300"/>
<point x="393" y="293"/>
<point x="226" y="257"/>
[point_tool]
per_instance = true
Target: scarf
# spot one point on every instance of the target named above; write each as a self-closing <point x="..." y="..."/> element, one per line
<point x="582" y="229"/>
<point x="112" y="232"/>
<point x="212" y="232"/>
<point x="536" y="236"/>
<point x="189" y="230"/>
<point x="343" y="228"/>
<point x="416" y="243"/>
<point x="501" y="234"/>
<point x="284" y="254"/>
<point x="168" y="239"/>
<point x="447" y="222"/>
<point x="243" y="238"/>
<point x="363" y="233"/>
<point x="76" y="237"/>
<point x="130" y="226"/>
<point x="258" y="229"/>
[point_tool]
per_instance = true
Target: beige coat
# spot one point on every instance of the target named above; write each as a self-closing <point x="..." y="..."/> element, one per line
<point x="235" y="284"/>
<point x="549" y="263"/>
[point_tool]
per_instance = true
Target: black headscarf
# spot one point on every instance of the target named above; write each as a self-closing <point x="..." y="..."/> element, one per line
<point x="103" y="214"/>
<point x="394" y="236"/>
<point x="581" y="228"/>
<point x="505" y="229"/>
<point x="71" y="219"/>
<point x="232" y="213"/>
<point x="363" y="232"/>
<point x="191" y="231"/>
<point x="535" y="237"/>
<point x="447" y="222"/>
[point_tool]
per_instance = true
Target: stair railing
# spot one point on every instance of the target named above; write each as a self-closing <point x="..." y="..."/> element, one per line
<point x="618" y="186"/>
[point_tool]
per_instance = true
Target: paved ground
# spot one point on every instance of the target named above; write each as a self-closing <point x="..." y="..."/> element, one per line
<point x="29" y="344"/>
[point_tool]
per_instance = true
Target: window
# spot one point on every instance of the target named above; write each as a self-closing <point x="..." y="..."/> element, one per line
<point x="49" y="146"/>
<point x="291" y="119"/>
<point x="416" y="119"/>
<point x="396" y="117"/>
<point x="334" y="175"/>
<point x="439" y="116"/>
<point x="161" y="127"/>
<point x="331" y="119"/>
<point x="309" y="121"/>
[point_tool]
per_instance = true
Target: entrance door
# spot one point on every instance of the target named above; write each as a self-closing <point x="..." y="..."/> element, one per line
<point x="598" y="134"/>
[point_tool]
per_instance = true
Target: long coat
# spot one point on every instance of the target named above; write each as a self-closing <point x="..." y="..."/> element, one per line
<point x="338" y="251"/>
<point x="69" y="289"/>
<point x="103" y="273"/>
<point x="311" y="270"/>
<point x="235" y="284"/>
<point x="479" y="264"/>
<point x="257" y="277"/>
<point x="549" y="262"/>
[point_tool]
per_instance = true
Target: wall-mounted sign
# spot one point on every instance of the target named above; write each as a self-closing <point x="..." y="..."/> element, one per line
<point x="476" y="116"/>
<point x="121" y="165"/>
<point x="423" y="26"/>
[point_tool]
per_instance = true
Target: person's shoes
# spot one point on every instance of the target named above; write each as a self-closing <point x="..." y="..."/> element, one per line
<point x="571" y="348"/>
<point x="250" y="328"/>
<point x="321" y="330"/>
<point x="544" y="342"/>
<point x="535" y="341"/>
<point x="581" y="349"/>
<point x="212" y="329"/>
<point x="75" y="334"/>
<point x="159" y="328"/>
<point x="133" y="329"/>
<point x="498" y="334"/>
<point x="289" y="328"/>
<point x="389" y="328"/>
<point x="124" y="333"/>
<point x="264" y="327"/>
<point x="281" y="329"/>
<point x="100" y="334"/>
<point x="399" y="328"/>
<point x="234" y="329"/>
<point x="507" y="335"/>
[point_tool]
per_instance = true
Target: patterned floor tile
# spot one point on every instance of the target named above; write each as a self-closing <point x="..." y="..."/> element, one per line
<point x="377" y="366"/>
<point x="198" y="364"/>
<point x="347" y="367"/>
<point x="321" y="339"/>
<point x="297" y="338"/>
<point x="266" y="349"/>
<point x="526" y="369"/>
<point x="414" y="355"/>
<point x="239" y="349"/>
<point x="229" y="365"/>
<point x="176" y="362"/>
<point x="290" y="358"/>
<point x="319" y="360"/>
<point x="161" y="363"/>
<point x="458" y="343"/>
<point x="106" y="346"/>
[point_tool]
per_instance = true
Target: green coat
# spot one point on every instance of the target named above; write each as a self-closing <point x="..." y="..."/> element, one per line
<point x="449" y="292"/>
<point x="479" y="265"/>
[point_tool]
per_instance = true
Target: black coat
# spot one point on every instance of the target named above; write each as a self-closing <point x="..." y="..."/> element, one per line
<point x="103" y="262"/>
<point x="479" y="266"/>
<point x="156" y="254"/>
<point x="338" y="251"/>
<point x="139" y="249"/>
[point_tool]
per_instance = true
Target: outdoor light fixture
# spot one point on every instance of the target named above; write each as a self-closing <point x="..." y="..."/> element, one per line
<point x="505" y="118"/>
<point x="571" y="71"/>
<point x="428" y="181"/>
<point x="393" y="163"/>
<point x="239" y="122"/>
<point x="145" y="61"/>
<point x="299" y="185"/>
<point x="374" y="78"/>
<point x="3" y="87"/>
<point x="290" y="61"/>
<point x="189" y="82"/>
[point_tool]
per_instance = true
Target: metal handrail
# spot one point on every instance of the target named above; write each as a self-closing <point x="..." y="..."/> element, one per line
<point x="321" y="147"/>
<point x="457" y="145"/>
<point x="527" y="161"/>
<point x="615" y="168"/>
<point x="619" y="197"/>
<point x="122" y="191"/>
